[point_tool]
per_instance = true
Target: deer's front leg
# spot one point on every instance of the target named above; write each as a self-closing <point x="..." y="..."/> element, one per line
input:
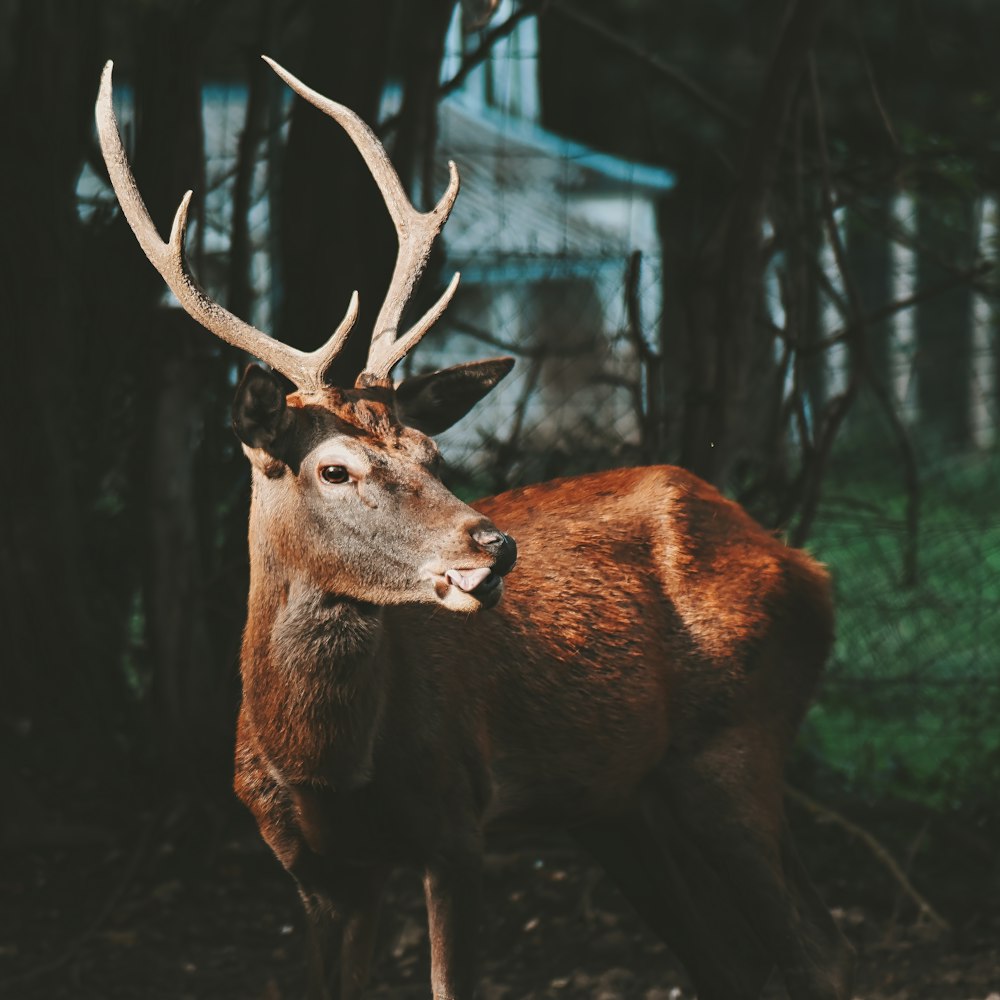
<point x="360" y="922"/>
<point x="342" y="918"/>
<point x="453" y="890"/>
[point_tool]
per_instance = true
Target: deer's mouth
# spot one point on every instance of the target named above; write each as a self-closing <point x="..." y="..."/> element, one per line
<point x="468" y="580"/>
<point x="468" y="589"/>
<point x="490" y="590"/>
<point x="473" y="588"/>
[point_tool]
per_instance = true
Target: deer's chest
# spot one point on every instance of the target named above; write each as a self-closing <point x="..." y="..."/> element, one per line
<point x="315" y="699"/>
<point x="358" y="795"/>
<point x="359" y="826"/>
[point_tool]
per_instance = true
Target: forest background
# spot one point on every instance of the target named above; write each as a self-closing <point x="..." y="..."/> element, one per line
<point x="792" y="129"/>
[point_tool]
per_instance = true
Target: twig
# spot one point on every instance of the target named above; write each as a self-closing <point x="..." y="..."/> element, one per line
<point x="911" y="241"/>
<point x="542" y="352"/>
<point x="634" y="329"/>
<point x="870" y="77"/>
<point x="911" y="855"/>
<point x="677" y="77"/>
<point x="473" y="59"/>
<point x="506" y="450"/>
<point x="241" y="292"/>
<point x="861" y="368"/>
<point x="647" y="411"/>
<point x="889" y="309"/>
<point x="837" y="411"/>
<point x="874" y="845"/>
<point x="911" y="478"/>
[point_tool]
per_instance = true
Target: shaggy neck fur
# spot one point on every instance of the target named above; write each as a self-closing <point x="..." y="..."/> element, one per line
<point x="312" y="679"/>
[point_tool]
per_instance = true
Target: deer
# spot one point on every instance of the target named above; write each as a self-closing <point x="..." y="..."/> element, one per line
<point x="631" y="671"/>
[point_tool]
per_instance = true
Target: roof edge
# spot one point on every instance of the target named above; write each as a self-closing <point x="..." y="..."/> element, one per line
<point x="615" y="168"/>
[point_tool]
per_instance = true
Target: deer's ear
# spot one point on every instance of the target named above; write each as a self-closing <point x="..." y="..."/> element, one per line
<point x="260" y="415"/>
<point x="433" y="402"/>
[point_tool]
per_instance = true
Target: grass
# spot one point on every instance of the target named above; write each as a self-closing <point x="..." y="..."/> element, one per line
<point x="912" y="698"/>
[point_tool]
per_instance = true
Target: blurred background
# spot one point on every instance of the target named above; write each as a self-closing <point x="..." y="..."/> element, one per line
<point x="756" y="238"/>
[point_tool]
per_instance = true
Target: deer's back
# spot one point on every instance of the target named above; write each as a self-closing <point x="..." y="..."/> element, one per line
<point x="644" y="608"/>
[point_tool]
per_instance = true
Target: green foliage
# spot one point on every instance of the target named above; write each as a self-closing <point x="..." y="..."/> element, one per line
<point x="913" y="692"/>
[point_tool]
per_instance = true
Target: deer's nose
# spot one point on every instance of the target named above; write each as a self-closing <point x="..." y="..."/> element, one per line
<point x="502" y="547"/>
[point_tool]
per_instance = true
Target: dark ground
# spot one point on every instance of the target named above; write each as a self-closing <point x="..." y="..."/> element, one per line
<point x="89" y="912"/>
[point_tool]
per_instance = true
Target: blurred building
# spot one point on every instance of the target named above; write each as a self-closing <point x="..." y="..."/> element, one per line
<point x="542" y="233"/>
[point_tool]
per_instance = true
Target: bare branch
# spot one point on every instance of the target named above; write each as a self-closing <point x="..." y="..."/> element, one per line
<point x="889" y="309"/>
<point x="838" y="408"/>
<point x="647" y="410"/>
<point x="861" y="370"/>
<point x="877" y="848"/>
<point x="675" y="76"/>
<point x="474" y="58"/>
<point x="870" y="77"/>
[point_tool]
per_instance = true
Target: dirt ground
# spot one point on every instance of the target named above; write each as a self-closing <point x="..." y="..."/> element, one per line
<point x="85" y="913"/>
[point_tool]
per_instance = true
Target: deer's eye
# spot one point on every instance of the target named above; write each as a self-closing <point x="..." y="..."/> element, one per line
<point x="335" y="475"/>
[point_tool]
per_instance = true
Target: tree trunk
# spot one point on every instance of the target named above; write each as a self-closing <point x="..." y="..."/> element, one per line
<point x="335" y="234"/>
<point x="60" y="630"/>
<point x="726" y="421"/>
<point x="944" y="341"/>
<point x="869" y="253"/>
<point x="190" y="696"/>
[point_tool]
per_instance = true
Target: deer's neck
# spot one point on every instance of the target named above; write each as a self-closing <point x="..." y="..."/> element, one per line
<point x="313" y="679"/>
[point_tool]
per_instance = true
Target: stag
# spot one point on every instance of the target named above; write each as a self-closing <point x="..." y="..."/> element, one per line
<point x="637" y="682"/>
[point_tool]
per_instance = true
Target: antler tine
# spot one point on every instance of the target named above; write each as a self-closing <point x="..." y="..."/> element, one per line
<point x="416" y="232"/>
<point x="305" y="370"/>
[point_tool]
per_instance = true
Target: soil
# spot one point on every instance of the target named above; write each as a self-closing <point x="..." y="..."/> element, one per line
<point x="91" y="913"/>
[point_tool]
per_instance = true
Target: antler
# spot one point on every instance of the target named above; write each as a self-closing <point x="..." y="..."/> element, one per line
<point x="306" y="370"/>
<point x="416" y="232"/>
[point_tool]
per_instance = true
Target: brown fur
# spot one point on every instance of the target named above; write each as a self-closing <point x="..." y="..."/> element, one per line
<point x="653" y="654"/>
<point x="639" y="684"/>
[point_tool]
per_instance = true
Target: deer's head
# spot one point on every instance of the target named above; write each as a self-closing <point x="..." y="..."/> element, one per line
<point x="345" y="479"/>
